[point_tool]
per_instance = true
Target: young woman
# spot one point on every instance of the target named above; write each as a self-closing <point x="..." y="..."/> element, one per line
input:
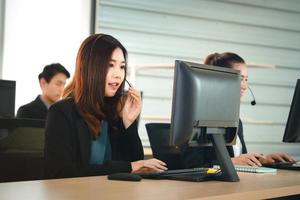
<point x="93" y="131"/>
<point x="238" y="152"/>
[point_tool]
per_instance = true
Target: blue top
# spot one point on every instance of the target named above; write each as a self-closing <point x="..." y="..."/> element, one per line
<point x="100" y="148"/>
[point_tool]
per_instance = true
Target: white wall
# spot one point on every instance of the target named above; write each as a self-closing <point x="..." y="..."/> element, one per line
<point x="2" y="5"/>
<point x="40" y="32"/>
<point x="262" y="32"/>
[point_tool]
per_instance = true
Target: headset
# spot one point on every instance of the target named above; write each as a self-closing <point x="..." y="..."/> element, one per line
<point x="253" y="102"/>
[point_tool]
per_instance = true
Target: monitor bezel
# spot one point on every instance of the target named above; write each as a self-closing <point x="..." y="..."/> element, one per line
<point x="290" y="120"/>
<point x="11" y="84"/>
<point x="178" y="64"/>
<point x="217" y="138"/>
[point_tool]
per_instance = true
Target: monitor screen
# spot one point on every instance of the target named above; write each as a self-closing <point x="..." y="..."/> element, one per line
<point x="206" y="99"/>
<point x="292" y="129"/>
<point x="7" y="100"/>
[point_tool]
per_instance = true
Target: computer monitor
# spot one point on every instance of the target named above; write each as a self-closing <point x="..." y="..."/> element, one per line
<point x="205" y="109"/>
<point x="292" y="129"/>
<point x="7" y="100"/>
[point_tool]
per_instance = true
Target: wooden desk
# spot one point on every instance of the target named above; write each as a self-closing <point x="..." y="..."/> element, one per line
<point x="251" y="186"/>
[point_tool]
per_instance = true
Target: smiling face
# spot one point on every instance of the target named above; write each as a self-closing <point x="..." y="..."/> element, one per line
<point x="116" y="73"/>
<point x="244" y="76"/>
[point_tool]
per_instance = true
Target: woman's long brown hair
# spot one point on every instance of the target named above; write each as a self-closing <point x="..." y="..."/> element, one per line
<point x="88" y="84"/>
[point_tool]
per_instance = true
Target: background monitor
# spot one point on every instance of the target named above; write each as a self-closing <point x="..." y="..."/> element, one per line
<point x="292" y="129"/>
<point x="206" y="99"/>
<point x="7" y="100"/>
<point x="205" y="108"/>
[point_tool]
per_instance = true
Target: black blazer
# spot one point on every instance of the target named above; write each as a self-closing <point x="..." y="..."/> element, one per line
<point x="68" y="144"/>
<point x="241" y="136"/>
<point x="35" y="109"/>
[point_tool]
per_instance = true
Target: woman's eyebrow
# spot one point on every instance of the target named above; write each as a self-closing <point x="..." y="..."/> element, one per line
<point x="112" y="60"/>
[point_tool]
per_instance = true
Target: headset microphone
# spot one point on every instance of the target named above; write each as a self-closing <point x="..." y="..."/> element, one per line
<point x="122" y="92"/>
<point x="253" y="102"/>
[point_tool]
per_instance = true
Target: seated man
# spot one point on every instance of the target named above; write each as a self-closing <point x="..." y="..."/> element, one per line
<point x="52" y="81"/>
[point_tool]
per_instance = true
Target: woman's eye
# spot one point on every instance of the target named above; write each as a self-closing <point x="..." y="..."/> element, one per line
<point x="111" y="65"/>
<point x="122" y="66"/>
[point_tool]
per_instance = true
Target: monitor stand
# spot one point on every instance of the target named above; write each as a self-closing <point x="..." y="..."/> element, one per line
<point x="228" y="171"/>
<point x="207" y="136"/>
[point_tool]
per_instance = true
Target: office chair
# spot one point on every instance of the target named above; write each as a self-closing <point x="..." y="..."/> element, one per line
<point x="159" y="137"/>
<point x="21" y="149"/>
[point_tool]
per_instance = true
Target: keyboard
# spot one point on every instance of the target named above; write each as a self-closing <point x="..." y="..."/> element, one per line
<point x="192" y="174"/>
<point x="285" y="165"/>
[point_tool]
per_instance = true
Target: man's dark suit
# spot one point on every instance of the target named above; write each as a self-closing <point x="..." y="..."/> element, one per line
<point x="35" y="109"/>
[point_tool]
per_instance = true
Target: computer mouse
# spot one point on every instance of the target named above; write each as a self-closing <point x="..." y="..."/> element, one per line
<point x="124" y="177"/>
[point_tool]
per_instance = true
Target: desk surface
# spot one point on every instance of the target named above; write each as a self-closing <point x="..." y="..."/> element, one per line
<point x="251" y="186"/>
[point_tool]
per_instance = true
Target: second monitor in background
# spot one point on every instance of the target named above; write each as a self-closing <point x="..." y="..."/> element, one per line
<point x="7" y="98"/>
<point x="205" y="99"/>
<point x="292" y="129"/>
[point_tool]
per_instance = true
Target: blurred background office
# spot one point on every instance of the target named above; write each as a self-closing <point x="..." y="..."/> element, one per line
<point x="265" y="33"/>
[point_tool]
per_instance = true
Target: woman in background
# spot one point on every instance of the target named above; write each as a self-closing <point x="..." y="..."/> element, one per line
<point x="238" y="152"/>
<point x="93" y="130"/>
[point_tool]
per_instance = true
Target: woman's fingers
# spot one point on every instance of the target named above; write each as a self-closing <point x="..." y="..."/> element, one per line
<point x="155" y="164"/>
<point x="135" y="95"/>
<point x="254" y="161"/>
<point x="160" y="162"/>
<point x="132" y="89"/>
<point x="281" y="157"/>
<point x="151" y="165"/>
<point x="250" y="162"/>
<point x="266" y="160"/>
<point x="288" y="158"/>
<point x="251" y="159"/>
<point x="134" y="92"/>
<point x="257" y="159"/>
<point x="258" y="155"/>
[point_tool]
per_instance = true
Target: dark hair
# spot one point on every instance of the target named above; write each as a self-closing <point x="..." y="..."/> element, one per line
<point x="51" y="70"/>
<point x="226" y="59"/>
<point x="88" y="84"/>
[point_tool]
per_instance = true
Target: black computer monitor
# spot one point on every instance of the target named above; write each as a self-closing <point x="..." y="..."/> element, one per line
<point x="7" y="100"/>
<point x="292" y="129"/>
<point x="205" y="108"/>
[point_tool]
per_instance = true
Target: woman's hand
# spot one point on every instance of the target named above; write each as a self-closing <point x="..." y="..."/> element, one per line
<point x="145" y="166"/>
<point x="252" y="159"/>
<point x="276" y="157"/>
<point x="132" y="107"/>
